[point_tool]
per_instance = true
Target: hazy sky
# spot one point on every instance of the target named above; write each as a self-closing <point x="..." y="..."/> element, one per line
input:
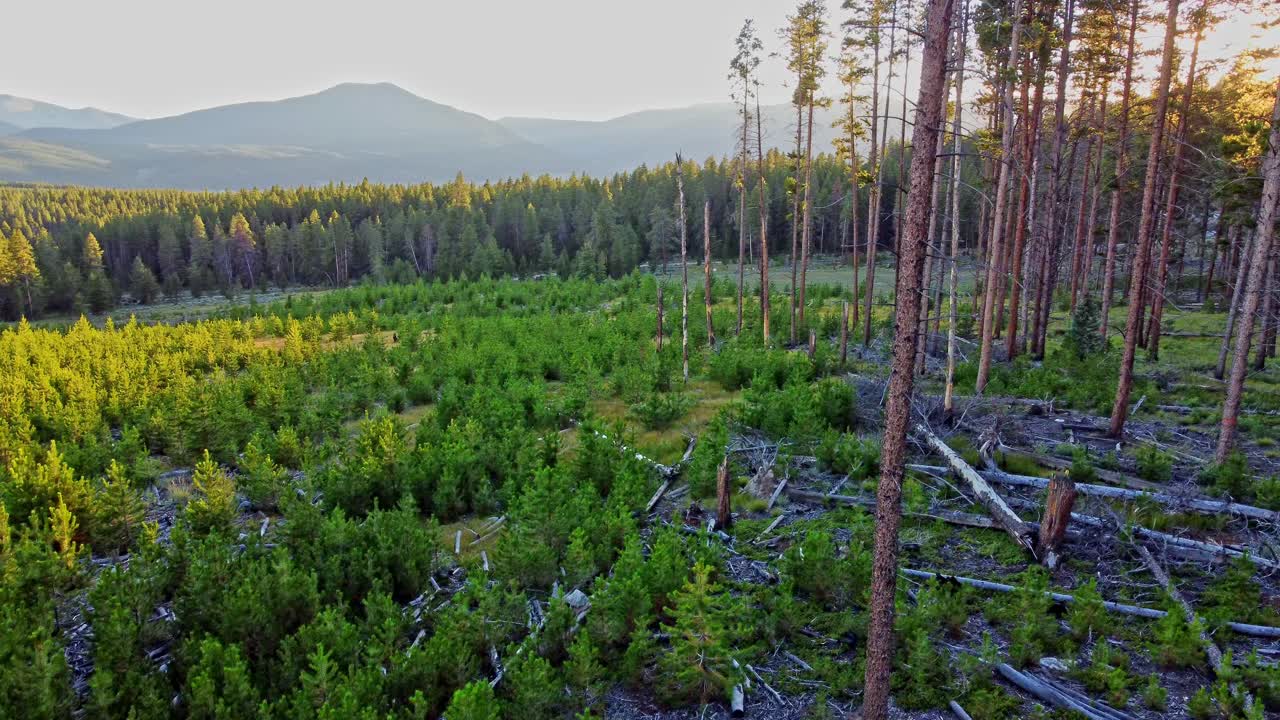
<point x="555" y="58"/>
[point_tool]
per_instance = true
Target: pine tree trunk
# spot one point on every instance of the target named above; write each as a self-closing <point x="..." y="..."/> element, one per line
<point x="1171" y="206"/>
<point x="923" y="335"/>
<point x="808" y="211"/>
<point x="873" y="195"/>
<point x="795" y="220"/>
<point x="998" y="212"/>
<point x="948" y="399"/>
<point x="1122" y="171"/>
<point x="724" y="514"/>
<point x="1120" y="411"/>
<point x="1233" y="310"/>
<point x="928" y="120"/>
<point x="1261" y="249"/>
<point x="742" y="211"/>
<point x="684" y="270"/>
<point x="1268" y="321"/>
<point x="706" y="271"/>
<point x="764" y="234"/>
<point x="659" y="317"/>
<point x="1018" y="274"/>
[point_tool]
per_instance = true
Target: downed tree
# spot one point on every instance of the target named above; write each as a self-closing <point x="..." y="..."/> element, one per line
<point x="1197" y="504"/>
<point x="1263" y="631"/>
<point x="989" y="498"/>
<point x="1052" y="694"/>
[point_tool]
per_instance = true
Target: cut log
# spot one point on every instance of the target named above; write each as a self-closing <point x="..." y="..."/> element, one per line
<point x="457" y="543"/>
<point x="989" y="498"/>
<point x="724" y="514"/>
<point x="1056" y="518"/>
<point x="769" y="529"/>
<point x="1110" y="476"/>
<point x="782" y="486"/>
<point x="1263" y="631"/>
<point x="959" y="711"/>
<point x="1197" y="504"/>
<point x="662" y="489"/>
<point x="737" y="702"/>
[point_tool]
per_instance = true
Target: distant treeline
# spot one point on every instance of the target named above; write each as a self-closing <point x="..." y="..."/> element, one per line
<point x="69" y="249"/>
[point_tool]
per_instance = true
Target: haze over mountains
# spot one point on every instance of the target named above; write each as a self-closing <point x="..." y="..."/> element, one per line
<point x="349" y="132"/>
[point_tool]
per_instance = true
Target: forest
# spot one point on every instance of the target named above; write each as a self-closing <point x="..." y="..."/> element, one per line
<point x="973" y="414"/>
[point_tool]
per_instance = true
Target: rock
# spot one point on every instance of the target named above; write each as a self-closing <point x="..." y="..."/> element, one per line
<point x="1054" y="664"/>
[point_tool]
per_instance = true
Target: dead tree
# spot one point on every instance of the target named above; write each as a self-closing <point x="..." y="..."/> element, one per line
<point x="1057" y="516"/>
<point x="1171" y="202"/>
<point x="1242" y="274"/>
<point x="659" y="317"/>
<point x="764" y="235"/>
<point x="997" y="223"/>
<point x="1121" y="173"/>
<point x="684" y="268"/>
<point x="928" y="119"/>
<point x="1252" y="296"/>
<point x="706" y="270"/>
<point x="1142" y="258"/>
<point x="957" y="146"/>
<point x="724" y="515"/>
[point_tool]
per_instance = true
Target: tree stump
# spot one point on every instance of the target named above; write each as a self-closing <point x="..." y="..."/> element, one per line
<point x="813" y="343"/>
<point x="1057" y="515"/>
<point x="724" y="518"/>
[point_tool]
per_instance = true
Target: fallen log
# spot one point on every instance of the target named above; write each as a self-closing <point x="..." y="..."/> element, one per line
<point x="1206" y="549"/>
<point x="777" y="491"/>
<point x="959" y="711"/>
<point x="1198" y="504"/>
<point x="1264" y="631"/>
<point x="952" y="517"/>
<point x="1110" y="476"/>
<point x="737" y="702"/>
<point x="1052" y="695"/>
<point x="989" y="498"/>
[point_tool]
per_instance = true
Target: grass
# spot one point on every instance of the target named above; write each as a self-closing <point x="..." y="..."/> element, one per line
<point x="668" y="444"/>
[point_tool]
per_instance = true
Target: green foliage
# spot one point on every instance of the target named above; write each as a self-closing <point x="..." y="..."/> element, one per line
<point x="698" y="667"/>
<point x="1086" y="615"/>
<point x="474" y="701"/>
<point x="1083" y="339"/>
<point x="1082" y="470"/>
<point x="859" y="458"/>
<point x="659" y="410"/>
<point x="708" y="453"/>
<point x="1107" y="674"/>
<point x="1229" y="478"/>
<point x="1034" y="631"/>
<point x="1175" y="641"/>
<point x="262" y="481"/>
<point x="213" y="509"/>
<point x="1154" y="464"/>
<point x="1154" y="696"/>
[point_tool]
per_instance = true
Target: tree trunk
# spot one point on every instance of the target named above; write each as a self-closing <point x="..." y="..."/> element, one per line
<point x="957" y="144"/>
<point x="1142" y="257"/>
<point x="724" y="515"/>
<point x="795" y="220"/>
<point x="1261" y="249"/>
<point x="1171" y="205"/>
<point x="1057" y="516"/>
<point x="742" y="210"/>
<point x="1233" y="310"/>
<point x="659" y="317"/>
<point x="923" y="335"/>
<point x="898" y="402"/>
<point x="998" y="212"/>
<point x="684" y="270"/>
<point x="873" y="195"/>
<point x="764" y="235"/>
<point x="1117" y="183"/>
<point x="706" y="271"/>
<point x="1267" y="336"/>
<point x="807" y="233"/>
<point x="1018" y="274"/>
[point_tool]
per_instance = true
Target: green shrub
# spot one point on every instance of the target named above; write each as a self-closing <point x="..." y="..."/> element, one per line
<point x="1176" y="642"/>
<point x="474" y="701"/>
<point x="661" y="409"/>
<point x="859" y="458"/>
<point x="1229" y="478"/>
<point x="698" y="667"/>
<point x="1086" y="615"/>
<point x="1154" y="464"/>
<point x="1154" y="696"/>
<point x="214" y="506"/>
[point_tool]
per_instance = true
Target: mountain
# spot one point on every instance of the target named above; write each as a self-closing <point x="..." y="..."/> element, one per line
<point x="653" y="136"/>
<point x="25" y="113"/>
<point x="376" y="131"/>
<point x="8" y="128"/>
<point x="346" y="133"/>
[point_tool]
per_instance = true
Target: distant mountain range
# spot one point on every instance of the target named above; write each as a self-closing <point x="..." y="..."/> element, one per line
<point x="353" y="131"/>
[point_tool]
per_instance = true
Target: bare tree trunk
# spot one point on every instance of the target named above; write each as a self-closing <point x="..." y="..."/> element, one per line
<point x="659" y="317"/>
<point x="957" y="144"/>
<point x="684" y="269"/>
<point x="853" y="221"/>
<point x="898" y="402"/>
<point x="873" y="196"/>
<point x="1233" y="310"/>
<point x="1171" y="204"/>
<point x="706" y="270"/>
<point x="1143" y="255"/>
<point x="1266" y="345"/>
<point x="1057" y="516"/>
<point x="997" y="220"/>
<point x="808" y="209"/>
<point x="844" y="333"/>
<point x="795" y="220"/>
<point x="923" y="334"/>
<point x="1018" y="274"/>
<point x="742" y="209"/>
<point x="1122" y="170"/>
<point x="764" y="234"/>
<point x="724" y="515"/>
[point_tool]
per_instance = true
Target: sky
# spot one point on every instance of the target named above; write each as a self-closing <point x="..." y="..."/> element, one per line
<point x="572" y="59"/>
